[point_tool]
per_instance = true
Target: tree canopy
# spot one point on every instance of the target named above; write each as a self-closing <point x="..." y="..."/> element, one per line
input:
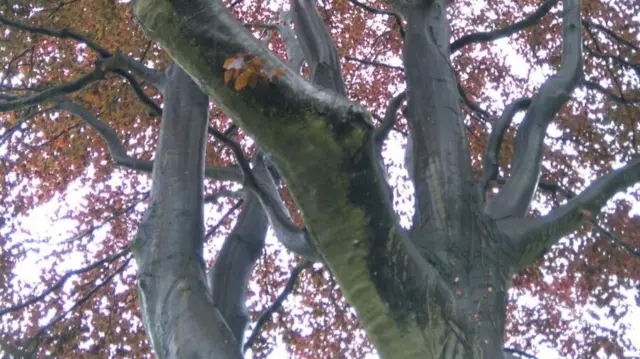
<point x="499" y="103"/>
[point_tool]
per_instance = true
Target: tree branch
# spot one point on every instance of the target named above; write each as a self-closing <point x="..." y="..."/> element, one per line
<point x="317" y="45"/>
<point x="589" y="24"/>
<point x="514" y="198"/>
<point x="374" y="63"/>
<point x="118" y="151"/>
<point x="373" y="10"/>
<point x="61" y="34"/>
<point x="58" y="284"/>
<point x="534" y="236"/>
<point x="529" y="21"/>
<point x="52" y="92"/>
<point x="490" y="163"/>
<point x="389" y="119"/>
<point x="275" y="306"/>
<point x="594" y="86"/>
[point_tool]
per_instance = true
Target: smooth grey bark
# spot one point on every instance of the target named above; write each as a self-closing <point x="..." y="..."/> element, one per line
<point x="231" y="271"/>
<point x="178" y="311"/>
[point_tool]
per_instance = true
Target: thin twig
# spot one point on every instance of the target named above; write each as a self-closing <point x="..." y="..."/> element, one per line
<point x="266" y="315"/>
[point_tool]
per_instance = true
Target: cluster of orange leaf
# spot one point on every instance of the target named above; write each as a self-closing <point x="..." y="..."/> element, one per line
<point x="247" y="71"/>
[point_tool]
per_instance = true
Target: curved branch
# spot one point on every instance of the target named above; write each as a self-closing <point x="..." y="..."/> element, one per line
<point x="529" y="21"/>
<point x="373" y="10"/>
<point x="514" y="198"/>
<point x="118" y="151"/>
<point x="52" y="92"/>
<point x="490" y="163"/>
<point x="534" y="236"/>
<point x="260" y="182"/>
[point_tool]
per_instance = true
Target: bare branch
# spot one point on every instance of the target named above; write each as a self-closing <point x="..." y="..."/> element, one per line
<point x="57" y="285"/>
<point x="589" y="24"/>
<point x="36" y="337"/>
<point x="26" y="117"/>
<point x="389" y="118"/>
<point x="260" y="182"/>
<point x="539" y="234"/>
<point x="52" y="92"/>
<point x="275" y="306"/>
<point x="594" y="86"/>
<point x="529" y="21"/>
<point x="61" y="34"/>
<point x="119" y="152"/>
<point x="374" y="63"/>
<point x="514" y="198"/>
<point x="318" y="46"/>
<point x="295" y="56"/>
<point x="484" y="114"/>
<point x="294" y="238"/>
<point x="373" y="10"/>
<point x="490" y="163"/>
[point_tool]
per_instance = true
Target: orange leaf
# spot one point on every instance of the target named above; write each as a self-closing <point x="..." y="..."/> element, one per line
<point x="227" y="76"/>
<point x="243" y="80"/>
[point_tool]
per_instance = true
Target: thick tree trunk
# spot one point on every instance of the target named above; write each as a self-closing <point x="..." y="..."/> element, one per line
<point x="178" y="311"/>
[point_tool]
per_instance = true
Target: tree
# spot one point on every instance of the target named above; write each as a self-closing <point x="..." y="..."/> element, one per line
<point x="307" y="144"/>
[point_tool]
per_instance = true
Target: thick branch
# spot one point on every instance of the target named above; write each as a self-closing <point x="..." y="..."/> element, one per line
<point x="490" y="163"/>
<point x="229" y="277"/>
<point x="534" y="236"/>
<point x="318" y="46"/>
<point x="178" y="311"/>
<point x="529" y="21"/>
<point x="440" y="152"/>
<point x="514" y="198"/>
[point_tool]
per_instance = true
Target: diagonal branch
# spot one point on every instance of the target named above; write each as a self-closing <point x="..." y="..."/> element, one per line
<point x="589" y="24"/>
<point x="594" y="86"/>
<point x="529" y="21"/>
<point x="275" y="306"/>
<point x="260" y="182"/>
<point x="534" y="236"/>
<point x="317" y="45"/>
<point x="35" y="339"/>
<point x="389" y="119"/>
<point x="374" y="63"/>
<point x="490" y="163"/>
<point x="52" y="92"/>
<point x="514" y="198"/>
<point x="57" y="285"/>
<point x="61" y="34"/>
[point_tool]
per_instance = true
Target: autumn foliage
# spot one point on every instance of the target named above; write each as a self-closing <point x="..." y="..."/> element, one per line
<point x="68" y="211"/>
